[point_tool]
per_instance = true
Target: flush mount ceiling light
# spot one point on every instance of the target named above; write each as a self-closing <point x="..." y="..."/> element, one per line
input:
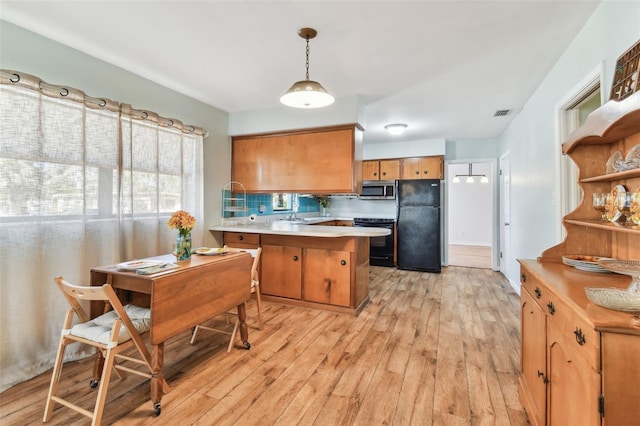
<point x="470" y="177"/>
<point x="395" y="129"/>
<point x="307" y="93"/>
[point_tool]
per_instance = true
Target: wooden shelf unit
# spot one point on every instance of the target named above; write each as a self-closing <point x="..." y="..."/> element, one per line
<point x="579" y="361"/>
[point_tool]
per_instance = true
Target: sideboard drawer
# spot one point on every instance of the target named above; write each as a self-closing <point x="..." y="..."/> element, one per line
<point x="534" y="287"/>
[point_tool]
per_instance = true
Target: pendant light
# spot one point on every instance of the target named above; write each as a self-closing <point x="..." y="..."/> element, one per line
<point x="470" y="177"/>
<point x="307" y="93"/>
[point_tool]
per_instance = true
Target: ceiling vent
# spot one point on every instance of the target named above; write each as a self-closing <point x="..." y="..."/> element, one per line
<point x="502" y="112"/>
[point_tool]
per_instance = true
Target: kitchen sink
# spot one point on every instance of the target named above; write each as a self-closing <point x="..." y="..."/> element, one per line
<point x="304" y="219"/>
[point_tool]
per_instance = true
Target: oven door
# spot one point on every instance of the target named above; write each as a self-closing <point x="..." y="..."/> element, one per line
<point x="381" y="249"/>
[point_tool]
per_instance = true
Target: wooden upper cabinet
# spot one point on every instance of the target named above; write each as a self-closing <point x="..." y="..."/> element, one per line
<point x="371" y="170"/>
<point x="389" y="169"/>
<point x="324" y="160"/>
<point x="422" y="167"/>
<point x="381" y="169"/>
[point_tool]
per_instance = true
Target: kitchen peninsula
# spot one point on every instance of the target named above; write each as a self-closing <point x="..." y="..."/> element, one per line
<point x="303" y="264"/>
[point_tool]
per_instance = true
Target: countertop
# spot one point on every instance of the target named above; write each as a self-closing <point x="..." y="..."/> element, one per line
<point x="301" y="229"/>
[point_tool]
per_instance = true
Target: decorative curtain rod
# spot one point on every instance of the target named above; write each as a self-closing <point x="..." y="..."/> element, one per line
<point x="15" y="78"/>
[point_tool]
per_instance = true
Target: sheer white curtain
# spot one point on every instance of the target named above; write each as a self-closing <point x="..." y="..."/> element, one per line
<point x="82" y="184"/>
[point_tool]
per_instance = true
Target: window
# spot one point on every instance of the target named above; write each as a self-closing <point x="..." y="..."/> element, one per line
<point x="281" y="202"/>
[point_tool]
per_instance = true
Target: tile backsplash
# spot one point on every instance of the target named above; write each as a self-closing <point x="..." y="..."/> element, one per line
<point x="261" y="205"/>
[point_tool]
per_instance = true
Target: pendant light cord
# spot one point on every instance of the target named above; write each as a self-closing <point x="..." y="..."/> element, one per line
<point x="307" y="38"/>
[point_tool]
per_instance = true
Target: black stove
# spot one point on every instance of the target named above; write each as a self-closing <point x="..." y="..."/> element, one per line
<point x="381" y="249"/>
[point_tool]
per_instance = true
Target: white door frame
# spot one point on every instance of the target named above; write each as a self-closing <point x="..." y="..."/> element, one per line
<point x="494" y="178"/>
<point x="505" y="216"/>
<point x="565" y="120"/>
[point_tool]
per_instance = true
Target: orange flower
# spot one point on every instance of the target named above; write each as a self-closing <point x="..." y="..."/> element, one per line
<point x="182" y="221"/>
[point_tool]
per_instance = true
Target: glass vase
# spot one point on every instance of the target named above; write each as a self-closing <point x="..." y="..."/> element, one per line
<point x="183" y="246"/>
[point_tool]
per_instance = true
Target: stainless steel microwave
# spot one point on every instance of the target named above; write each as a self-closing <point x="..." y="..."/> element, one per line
<point x="378" y="190"/>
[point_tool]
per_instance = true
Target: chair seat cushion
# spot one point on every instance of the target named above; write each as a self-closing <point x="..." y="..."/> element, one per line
<point x="99" y="328"/>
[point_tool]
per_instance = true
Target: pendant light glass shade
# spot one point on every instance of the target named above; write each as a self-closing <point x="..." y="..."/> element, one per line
<point x="307" y="93"/>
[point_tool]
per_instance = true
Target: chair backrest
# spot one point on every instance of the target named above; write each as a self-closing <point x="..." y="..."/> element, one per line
<point x="256" y="261"/>
<point x="73" y="293"/>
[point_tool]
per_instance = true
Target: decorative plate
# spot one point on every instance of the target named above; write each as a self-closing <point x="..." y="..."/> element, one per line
<point x="611" y="205"/>
<point x="206" y="251"/>
<point x="634" y="209"/>
<point x="584" y="262"/>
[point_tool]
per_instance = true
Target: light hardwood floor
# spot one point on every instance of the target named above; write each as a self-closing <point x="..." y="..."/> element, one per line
<point x="470" y="256"/>
<point x="430" y="349"/>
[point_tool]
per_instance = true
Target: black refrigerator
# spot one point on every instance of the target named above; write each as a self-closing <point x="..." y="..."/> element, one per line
<point x="418" y="225"/>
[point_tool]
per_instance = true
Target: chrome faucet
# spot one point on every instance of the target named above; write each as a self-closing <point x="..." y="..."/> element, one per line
<point x="295" y="204"/>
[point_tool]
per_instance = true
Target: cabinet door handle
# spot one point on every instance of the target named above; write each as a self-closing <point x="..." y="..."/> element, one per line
<point x="343" y="262"/>
<point x="523" y="277"/>
<point x="538" y="293"/>
<point x="541" y="374"/>
<point x="580" y="339"/>
<point x="295" y="258"/>
<point x="417" y="172"/>
<point x="384" y="173"/>
<point x="552" y="309"/>
<point x="426" y="172"/>
<point x="375" y="173"/>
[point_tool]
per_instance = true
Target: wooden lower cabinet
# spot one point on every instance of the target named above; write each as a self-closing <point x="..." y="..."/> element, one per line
<point x="281" y="271"/>
<point x="574" y="386"/>
<point x="577" y="360"/>
<point x="534" y="358"/>
<point x="326" y="276"/>
<point x="326" y="273"/>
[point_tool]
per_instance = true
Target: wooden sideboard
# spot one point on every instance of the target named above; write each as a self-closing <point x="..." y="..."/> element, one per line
<point x="579" y="361"/>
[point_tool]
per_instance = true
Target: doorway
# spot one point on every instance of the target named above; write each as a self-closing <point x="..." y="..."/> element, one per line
<point x="470" y="213"/>
<point x="505" y="214"/>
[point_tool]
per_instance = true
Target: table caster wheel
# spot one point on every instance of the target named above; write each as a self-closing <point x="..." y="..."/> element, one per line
<point x="94" y="383"/>
<point x="247" y="345"/>
<point x="156" y="408"/>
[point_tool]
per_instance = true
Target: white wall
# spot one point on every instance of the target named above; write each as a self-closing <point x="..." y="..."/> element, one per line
<point x="415" y="148"/>
<point x="531" y="140"/>
<point x="469" y="211"/>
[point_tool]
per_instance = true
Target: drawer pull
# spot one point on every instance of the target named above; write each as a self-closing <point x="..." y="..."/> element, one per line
<point x="343" y="262"/>
<point x="523" y="277"/>
<point x="295" y="258"/>
<point x="241" y="238"/>
<point x="580" y="336"/>
<point x="552" y="309"/>
<point x="538" y="293"/>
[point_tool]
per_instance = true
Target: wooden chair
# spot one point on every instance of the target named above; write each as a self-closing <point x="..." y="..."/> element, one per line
<point x="255" y="289"/>
<point x="111" y="333"/>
